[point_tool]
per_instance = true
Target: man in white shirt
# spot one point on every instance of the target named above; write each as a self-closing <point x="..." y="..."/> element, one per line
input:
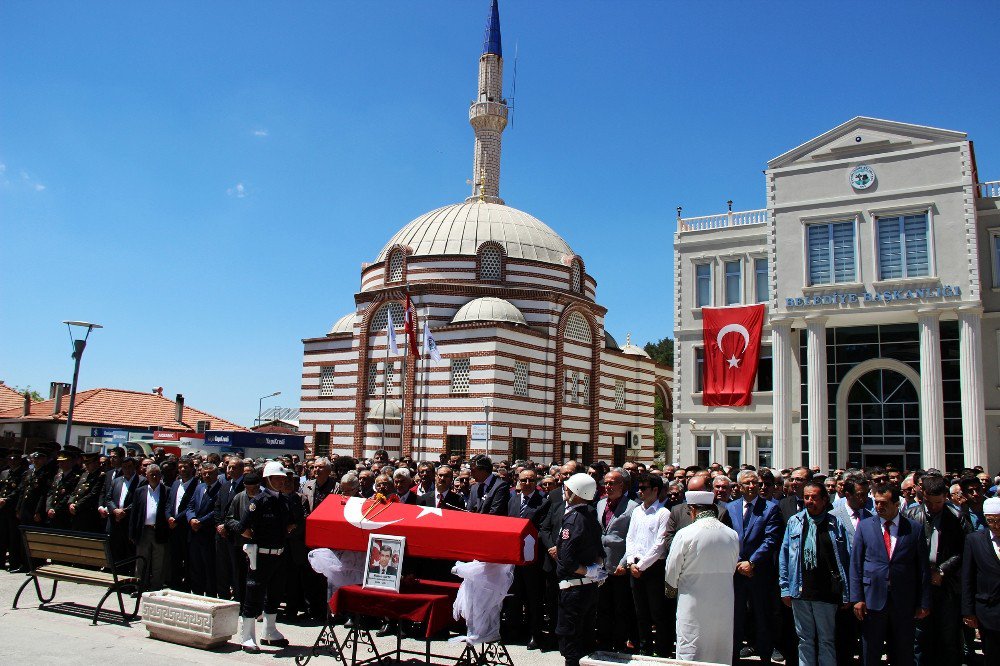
<point x="645" y="550"/>
<point x="149" y="530"/>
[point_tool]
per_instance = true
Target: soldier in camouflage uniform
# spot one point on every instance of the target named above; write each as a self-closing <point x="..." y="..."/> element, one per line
<point x="11" y="552"/>
<point x="35" y="488"/>
<point x="57" y="501"/>
<point x="86" y="496"/>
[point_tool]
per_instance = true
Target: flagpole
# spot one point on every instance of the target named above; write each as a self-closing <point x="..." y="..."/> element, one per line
<point x="402" y="392"/>
<point x="385" y="378"/>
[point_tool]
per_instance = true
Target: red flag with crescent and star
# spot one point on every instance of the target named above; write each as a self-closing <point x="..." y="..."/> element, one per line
<point x="410" y="328"/>
<point x="732" y="352"/>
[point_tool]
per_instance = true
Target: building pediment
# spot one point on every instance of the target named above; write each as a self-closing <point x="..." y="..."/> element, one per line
<point x="863" y="136"/>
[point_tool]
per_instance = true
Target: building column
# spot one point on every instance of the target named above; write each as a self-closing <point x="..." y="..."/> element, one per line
<point x="970" y="336"/>
<point x="931" y="392"/>
<point x="817" y="393"/>
<point x="782" y="393"/>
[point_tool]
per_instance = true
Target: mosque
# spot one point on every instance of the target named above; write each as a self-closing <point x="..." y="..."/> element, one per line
<point x="526" y="368"/>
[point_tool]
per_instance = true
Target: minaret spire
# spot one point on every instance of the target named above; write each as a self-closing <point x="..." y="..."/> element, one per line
<point x="488" y="115"/>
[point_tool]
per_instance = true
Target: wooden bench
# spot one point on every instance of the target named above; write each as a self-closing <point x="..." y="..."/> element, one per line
<point x="53" y="553"/>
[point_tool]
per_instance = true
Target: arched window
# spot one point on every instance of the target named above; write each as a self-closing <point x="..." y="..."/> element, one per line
<point x="575" y="274"/>
<point x="396" y="259"/>
<point x="381" y="318"/>
<point x="491" y="263"/>
<point x="577" y="328"/>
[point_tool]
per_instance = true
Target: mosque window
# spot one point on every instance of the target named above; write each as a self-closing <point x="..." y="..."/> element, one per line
<point x="830" y="249"/>
<point x="491" y="263"/>
<point x="584" y="388"/>
<point x="572" y="382"/>
<point x="521" y="378"/>
<point x="619" y="394"/>
<point x="902" y="247"/>
<point x="396" y="260"/>
<point x="577" y="328"/>
<point x="381" y="318"/>
<point x="575" y="273"/>
<point x="326" y="380"/>
<point x="372" y="378"/>
<point x="459" y="375"/>
<point x="390" y="377"/>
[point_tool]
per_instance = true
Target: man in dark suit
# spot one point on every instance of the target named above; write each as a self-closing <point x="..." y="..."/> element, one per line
<point x="792" y="503"/>
<point x="200" y="516"/>
<point x="148" y="529"/>
<point x="981" y="581"/>
<point x="548" y="536"/>
<point x="850" y="514"/>
<point x="890" y="582"/>
<point x="758" y="524"/>
<point x="524" y="606"/>
<point x="443" y="496"/>
<point x="230" y="575"/>
<point x="384" y="565"/>
<point x="490" y="494"/>
<point x="116" y="509"/>
<point x="402" y="480"/>
<point x="178" y="499"/>
<point x="615" y="606"/>
<point x="939" y="636"/>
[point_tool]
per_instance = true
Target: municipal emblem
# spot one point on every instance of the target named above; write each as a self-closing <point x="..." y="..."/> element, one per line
<point x="862" y="177"/>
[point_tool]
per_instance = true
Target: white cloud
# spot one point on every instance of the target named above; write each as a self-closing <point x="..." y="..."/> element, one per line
<point x="26" y="179"/>
<point x="39" y="187"/>
<point x="238" y="190"/>
<point x="260" y="132"/>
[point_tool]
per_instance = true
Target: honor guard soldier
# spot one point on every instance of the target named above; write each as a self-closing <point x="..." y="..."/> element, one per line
<point x="10" y="484"/>
<point x="265" y="527"/>
<point x="35" y="488"/>
<point x="579" y="567"/>
<point x="63" y="484"/>
<point x="86" y="496"/>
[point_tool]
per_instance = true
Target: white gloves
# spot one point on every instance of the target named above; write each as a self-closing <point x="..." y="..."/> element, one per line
<point x="596" y="572"/>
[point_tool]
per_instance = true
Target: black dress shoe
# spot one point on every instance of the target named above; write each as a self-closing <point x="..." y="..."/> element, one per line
<point x="385" y="630"/>
<point x="19" y="570"/>
<point x="532" y="645"/>
<point x="281" y="642"/>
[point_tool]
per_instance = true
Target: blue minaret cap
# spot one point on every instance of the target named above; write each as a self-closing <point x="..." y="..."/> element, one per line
<point x="491" y="42"/>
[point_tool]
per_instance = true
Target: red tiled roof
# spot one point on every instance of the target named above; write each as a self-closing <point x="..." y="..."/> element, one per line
<point x="117" y="407"/>
<point x="10" y="399"/>
<point x="275" y="430"/>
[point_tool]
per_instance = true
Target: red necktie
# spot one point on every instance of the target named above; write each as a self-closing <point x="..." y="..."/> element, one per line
<point x="887" y="539"/>
<point x="440" y="501"/>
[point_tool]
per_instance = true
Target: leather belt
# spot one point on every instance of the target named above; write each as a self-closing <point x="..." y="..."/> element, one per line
<point x="573" y="582"/>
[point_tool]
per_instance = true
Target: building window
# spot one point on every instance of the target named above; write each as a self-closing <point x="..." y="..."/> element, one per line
<point x="372" y="378"/>
<point x="703" y="450"/>
<point x="577" y="328"/>
<point x="584" y="387"/>
<point x="733" y="283"/>
<point x="703" y="285"/>
<point x="619" y="453"/>
<point x="572" y="381"/>
<point x="734" y="450"/>
<point x="491" y="263"/>
<point x="761" y="290"/>
<point x="765" y="370"/>
<point x="321" y="444"/>
<point x="390" y="377"/>
<point x="619" y="394"/>
<point x="902" y="247"/>
<point x="765" y="451"/>
<point x="830" y="249"/>
<point x="519" y="448"/>
<point x="575" y="276"/>
<point x="457" y="445"/>
<point x="381" y="318"/>
<point x="521" y="378"/>
<point x="459" y="375"/>
<point x="996" y="259"/>
<point x="699" y="369"/>
<point x="572" y="451"/>
<point x="396" y="259"/>
<point x="326" y="377"/>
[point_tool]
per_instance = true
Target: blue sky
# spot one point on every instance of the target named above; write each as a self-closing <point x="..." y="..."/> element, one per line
<point x="206" y="179"/>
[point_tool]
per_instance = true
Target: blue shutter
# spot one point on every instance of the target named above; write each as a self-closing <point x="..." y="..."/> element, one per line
<point x="818" y="241"/>
<point x="843" y="252"/>
<point x="915" y="231"/>
<point x="890" y="251"/>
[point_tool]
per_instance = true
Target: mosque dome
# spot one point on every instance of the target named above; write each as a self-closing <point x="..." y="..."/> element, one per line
<point x="631" y="350"/>
<point x="462" y="228"/>
<point x="489" y="309"/>
<point x="344" y="325"/>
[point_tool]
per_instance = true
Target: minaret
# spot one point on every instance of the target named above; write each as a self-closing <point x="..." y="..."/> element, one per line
<point x="488" y="115"/>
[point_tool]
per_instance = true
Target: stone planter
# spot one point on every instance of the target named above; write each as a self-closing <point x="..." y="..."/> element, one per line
<point x="619" y="659"/>
<point x="189" y="619"/>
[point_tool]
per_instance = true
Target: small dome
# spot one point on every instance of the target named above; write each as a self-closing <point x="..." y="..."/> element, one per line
<point x="344" y="325"/>
<point x="631" y="350"/>
<point x="489" y="309"/>
<point x="610" y="342"/>
<point x="462" y="228"/>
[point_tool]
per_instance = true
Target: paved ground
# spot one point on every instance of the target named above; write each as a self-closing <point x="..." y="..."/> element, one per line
<point x="61" y="633"/>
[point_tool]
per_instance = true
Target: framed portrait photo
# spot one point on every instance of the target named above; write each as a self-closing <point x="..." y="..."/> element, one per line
<point x="384" y="569"/>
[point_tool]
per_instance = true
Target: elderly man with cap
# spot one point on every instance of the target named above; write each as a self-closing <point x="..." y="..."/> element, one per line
<point x="10" y="484"/>
<point x="981" y="581"/>
<point x="57" y="512"/>
<point x="700" y="568"/>
<point x="579" y="568"/>
<point x="86" y="496"/>
<point x="265" y="526"/>
<point x="35" y="488"/>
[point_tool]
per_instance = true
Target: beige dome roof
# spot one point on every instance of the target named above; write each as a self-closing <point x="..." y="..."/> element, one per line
<point x="489" y="309"/>
<point x="344" y="325"/>
<point x="462" y="228"/>
<point x="631" y="350"/>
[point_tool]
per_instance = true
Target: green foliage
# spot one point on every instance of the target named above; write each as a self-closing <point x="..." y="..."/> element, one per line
<point x="35" y="395"/>
<point x="662" y="351"/>
<point x="660" y="441"/>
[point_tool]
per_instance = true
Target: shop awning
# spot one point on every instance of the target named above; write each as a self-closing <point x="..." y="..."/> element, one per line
<point x="343" y="523"/>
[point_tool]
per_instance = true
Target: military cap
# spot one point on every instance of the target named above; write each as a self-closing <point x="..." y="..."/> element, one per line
<point x="39" y="452"/>
<point x="93" y="456"/>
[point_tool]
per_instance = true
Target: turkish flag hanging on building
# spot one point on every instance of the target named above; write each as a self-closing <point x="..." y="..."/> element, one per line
<point x="410" y="328"/>
<point x="732" y="352"/>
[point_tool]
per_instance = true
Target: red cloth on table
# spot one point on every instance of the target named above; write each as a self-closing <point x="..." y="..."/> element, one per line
<point x="427" y="601"/>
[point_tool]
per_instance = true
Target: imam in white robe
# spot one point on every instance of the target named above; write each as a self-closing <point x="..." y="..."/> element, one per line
<point x="701" y="564"/>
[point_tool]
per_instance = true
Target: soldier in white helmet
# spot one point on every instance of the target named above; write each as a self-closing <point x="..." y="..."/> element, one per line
<point x="579" y="568"/>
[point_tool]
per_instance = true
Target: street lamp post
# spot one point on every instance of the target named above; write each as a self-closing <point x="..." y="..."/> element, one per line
<point x="487" y="405"/>
<point x="78" y="347"/>
<point x="260" y="404"/>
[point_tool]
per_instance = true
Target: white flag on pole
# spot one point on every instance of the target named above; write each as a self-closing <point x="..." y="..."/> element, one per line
<point x="430" y="347"/>
<point x="390" y="333"/>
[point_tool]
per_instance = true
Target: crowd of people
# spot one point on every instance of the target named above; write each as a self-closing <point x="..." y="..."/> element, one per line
<point x="712" y="564"/>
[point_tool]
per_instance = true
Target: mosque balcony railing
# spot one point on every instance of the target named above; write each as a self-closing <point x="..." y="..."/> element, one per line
<point x="723" y="220"/>
<point x="989" y="190"/>
<point x="483" y="108"/>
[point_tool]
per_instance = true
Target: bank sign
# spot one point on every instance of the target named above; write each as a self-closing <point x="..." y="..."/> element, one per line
<point x="254" y="440"/>
<point x="875" y="297"/>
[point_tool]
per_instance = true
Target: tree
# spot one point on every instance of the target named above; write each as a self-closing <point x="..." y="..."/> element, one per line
<point x="35" y="395"/>
<point x="662" y="351"/>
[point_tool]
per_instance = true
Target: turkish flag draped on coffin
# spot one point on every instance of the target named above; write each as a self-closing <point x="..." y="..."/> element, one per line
<point x="732" y="352"/>
<point x="343" y="523"/>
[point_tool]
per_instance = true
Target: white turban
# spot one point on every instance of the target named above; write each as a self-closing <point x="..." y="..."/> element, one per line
<point x="703" y="497"/>
<point x="991" y="507"/>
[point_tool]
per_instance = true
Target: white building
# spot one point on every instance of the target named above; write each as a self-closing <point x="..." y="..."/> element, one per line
<point x="514" y="314"/>
<point x="878" y="260"/>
